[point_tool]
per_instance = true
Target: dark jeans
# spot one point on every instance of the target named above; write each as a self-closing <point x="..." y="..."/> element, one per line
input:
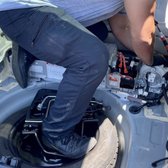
<point x="51" y="35"/>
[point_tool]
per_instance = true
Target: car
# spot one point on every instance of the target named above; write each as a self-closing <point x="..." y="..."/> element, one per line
<point x="128" y="113"/>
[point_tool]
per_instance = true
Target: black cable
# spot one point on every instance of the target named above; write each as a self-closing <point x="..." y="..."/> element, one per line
<point x="155" y="164"/>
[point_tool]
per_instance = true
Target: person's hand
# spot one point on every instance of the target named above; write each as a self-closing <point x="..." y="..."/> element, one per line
<point x="160" y="59"/>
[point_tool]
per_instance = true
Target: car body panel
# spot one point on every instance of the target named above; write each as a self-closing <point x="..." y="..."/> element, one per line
<point x="143" y="136"/>
<point x="5" y="45"/>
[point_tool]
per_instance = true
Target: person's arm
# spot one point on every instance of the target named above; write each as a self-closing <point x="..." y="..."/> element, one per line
<point x="142" y="27"/>
<point x="120" y="28"/>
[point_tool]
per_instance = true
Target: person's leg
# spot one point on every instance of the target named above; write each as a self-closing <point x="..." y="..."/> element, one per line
<point x="61" y="40"/>
<point x="119" y="25"/>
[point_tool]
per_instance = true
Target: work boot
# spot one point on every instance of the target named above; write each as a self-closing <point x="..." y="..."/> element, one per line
<point x="71" y="146"/>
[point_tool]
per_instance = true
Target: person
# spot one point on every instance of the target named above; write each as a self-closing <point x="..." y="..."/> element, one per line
<point x="54" y="31"/>
<point x="138" y="33"/>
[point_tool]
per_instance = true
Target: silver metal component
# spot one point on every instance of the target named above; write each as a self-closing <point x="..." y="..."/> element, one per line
<point x="49" y="105"/>
<point x="150" y="79"/>
<point x="40" y="105"/>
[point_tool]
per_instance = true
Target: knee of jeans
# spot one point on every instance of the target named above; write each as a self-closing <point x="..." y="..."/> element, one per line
<point x="92" y="59"/>
<point x="99" y="59"/>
